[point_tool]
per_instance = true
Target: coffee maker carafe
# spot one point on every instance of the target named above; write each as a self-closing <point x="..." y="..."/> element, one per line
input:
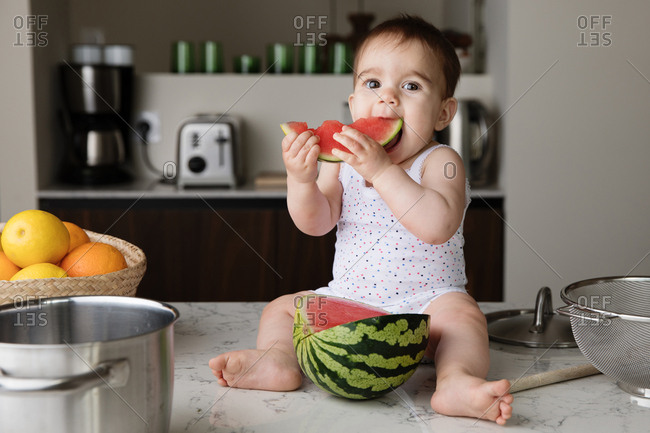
<point x="97" y="90"/>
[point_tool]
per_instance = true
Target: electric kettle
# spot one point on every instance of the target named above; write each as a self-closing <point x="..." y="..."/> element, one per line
<point x="473" y="135"/>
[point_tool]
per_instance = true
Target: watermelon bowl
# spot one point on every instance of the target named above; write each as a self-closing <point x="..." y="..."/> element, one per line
<point x="354" y="350"/>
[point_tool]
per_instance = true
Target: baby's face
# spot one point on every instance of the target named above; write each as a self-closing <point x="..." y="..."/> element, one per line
<point x="402" y="80"/>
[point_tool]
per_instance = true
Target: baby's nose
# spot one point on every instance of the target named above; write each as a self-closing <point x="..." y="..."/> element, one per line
<point x="388" y="96"/>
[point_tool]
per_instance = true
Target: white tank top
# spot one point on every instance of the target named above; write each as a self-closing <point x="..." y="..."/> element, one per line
<point x="379" y="262"/>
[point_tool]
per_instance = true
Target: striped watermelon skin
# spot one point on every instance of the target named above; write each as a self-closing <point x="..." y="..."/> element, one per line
<point x="362" y="359"/>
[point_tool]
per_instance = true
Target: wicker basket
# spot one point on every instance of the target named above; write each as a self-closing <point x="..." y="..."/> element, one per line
<point x="119" y="283"/>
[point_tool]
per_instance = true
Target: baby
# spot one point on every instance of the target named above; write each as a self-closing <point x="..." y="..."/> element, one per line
<point x="399" y="213"/>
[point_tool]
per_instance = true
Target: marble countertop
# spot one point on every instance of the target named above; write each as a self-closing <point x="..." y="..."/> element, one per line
<point x="594" y="404"/>
<point x="154" y="189"/>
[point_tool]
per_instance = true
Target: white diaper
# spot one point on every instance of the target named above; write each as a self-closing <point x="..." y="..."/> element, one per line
<point x="413" y="304"/>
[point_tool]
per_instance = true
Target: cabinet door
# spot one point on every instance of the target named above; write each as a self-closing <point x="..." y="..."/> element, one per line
<point x="304" y="262"/>
<point x="206" y="255"/>
<point x="483" y="233"/>
<point x="194" y="254"/>
<point x="253" y="252"/>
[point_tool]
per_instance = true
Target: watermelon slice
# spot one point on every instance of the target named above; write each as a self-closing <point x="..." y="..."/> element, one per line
<point x="354" y="350"/>
<point x="326" y="312"/>
<point x="383" y="130"/>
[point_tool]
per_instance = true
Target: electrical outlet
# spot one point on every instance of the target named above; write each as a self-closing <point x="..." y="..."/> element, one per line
<point x="153" y="133"/>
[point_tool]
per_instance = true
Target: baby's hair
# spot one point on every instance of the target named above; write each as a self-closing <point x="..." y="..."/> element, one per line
<point x="406" y="28"/>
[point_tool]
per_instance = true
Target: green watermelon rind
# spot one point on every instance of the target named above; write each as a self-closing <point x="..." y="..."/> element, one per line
<point x="286" y="128"/>
<point x="362" y="359"/>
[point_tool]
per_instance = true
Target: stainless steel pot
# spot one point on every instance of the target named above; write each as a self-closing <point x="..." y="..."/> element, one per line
<point x="86" y="364"/>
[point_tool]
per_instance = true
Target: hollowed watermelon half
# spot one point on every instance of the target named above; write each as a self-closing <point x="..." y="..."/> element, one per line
<point x="354" y="350"/>
<point x="383" y="130"/>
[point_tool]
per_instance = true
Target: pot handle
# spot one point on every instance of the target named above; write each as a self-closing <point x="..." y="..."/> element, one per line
<point x="596" y="316"/>
<point x="113" y="373"/>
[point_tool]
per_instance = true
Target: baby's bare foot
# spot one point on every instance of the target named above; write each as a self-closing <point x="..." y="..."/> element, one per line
<point x="464" y="395"/>
<point x="271" y="370"/>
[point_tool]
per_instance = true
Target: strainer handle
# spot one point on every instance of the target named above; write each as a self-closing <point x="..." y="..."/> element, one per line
<point x="601" y="317"/>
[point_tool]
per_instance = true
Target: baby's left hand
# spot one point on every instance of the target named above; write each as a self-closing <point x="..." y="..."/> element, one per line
<point x="366" y="156"/>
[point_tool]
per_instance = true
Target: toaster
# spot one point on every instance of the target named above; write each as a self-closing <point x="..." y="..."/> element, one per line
<point x="209" y="151"/>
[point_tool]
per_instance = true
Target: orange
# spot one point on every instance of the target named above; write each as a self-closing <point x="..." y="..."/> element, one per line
<point x="77" y="235"/>
<point x="7" y="268"/>
<point x="35" y="236"/>
<point x="93" y="258"/>
<point x="39" y="270"/>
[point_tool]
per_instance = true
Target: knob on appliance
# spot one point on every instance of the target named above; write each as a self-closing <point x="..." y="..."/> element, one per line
<point x="196" y="164"/>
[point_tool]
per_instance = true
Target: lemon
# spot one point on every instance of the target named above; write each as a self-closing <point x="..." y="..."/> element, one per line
<point x="39" y="270"/>
<point x="35" y="236"/>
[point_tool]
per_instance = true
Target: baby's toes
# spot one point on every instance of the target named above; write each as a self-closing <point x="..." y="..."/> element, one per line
<point x="506" y="410"/>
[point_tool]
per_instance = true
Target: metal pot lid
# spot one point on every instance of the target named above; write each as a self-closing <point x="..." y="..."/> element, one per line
<point x="540" y="327"/>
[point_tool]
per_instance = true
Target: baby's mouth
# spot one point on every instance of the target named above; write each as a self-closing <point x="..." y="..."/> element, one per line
<point x="394" y="142"/>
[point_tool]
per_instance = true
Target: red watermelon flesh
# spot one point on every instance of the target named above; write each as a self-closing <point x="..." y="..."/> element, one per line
<point x="324" y="312"/>
<point x="383" y="130"/>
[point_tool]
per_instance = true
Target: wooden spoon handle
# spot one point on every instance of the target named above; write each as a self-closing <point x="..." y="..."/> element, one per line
<point x="555" y="376"/>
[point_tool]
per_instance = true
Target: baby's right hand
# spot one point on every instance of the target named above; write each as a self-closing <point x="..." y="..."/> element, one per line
<point x="300" y="156"/>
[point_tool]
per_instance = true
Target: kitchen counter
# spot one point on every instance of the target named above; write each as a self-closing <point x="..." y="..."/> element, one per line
<point x="594" y="404"/>
<point x="154" y="189"/>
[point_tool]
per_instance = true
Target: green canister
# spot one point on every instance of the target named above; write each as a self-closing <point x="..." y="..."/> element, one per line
<point x="279" y="58"/>
<point x="182" y="57"/>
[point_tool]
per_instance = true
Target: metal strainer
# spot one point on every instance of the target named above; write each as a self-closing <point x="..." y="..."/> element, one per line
<point x="610" y="320"/>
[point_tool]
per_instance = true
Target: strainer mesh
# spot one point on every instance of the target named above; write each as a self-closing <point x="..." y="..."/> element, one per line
<point x="618" y="347"/>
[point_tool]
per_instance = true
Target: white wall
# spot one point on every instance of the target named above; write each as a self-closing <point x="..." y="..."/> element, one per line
<point x="17" y="117"/>
<point x="576" y="143"/>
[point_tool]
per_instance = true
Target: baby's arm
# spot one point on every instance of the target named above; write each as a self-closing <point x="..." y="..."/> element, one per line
<point x="432" y="210"/>
<point x="313" y="199"/>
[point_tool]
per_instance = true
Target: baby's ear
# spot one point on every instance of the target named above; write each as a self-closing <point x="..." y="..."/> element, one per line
<point x="447" y="112"/>
<point x="351" y="105"/>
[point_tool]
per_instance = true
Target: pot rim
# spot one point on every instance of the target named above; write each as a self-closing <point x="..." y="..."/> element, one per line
<point x="89" y="299"/>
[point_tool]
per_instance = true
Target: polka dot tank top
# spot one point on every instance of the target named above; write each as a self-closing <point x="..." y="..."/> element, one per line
<point x="379" y="262"/>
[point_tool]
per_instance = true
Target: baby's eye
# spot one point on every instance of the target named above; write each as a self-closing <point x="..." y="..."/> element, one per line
<point x="410" y="86"/>
<point x="372" y="84"/>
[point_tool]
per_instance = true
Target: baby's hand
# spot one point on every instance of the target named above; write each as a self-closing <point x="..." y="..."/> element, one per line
<point x="366" y="156"/>
<point x="300" y="156"/>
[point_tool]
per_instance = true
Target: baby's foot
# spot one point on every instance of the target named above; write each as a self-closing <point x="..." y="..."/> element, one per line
<point x="271" y="370"/>
<point x="465" y="395"/>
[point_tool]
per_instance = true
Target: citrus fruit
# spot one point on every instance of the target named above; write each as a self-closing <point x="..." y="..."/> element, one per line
<point x="39" y="270"/>
<point x="35" y="236"/>
<point x="7" y="267"/>
<point x="93" y="258"/>
<point x="77" y="235"/>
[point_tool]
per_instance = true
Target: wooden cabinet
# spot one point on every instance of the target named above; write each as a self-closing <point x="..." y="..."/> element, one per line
<point x="483" y="231"/>
<point x="249" y="250"/>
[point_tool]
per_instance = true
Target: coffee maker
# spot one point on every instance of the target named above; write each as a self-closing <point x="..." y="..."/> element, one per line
<point x="97" y="89"/>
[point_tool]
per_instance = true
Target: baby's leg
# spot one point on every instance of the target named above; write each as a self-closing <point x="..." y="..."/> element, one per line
<point x="460" y="346"/>
<point x="272" y="365"/>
